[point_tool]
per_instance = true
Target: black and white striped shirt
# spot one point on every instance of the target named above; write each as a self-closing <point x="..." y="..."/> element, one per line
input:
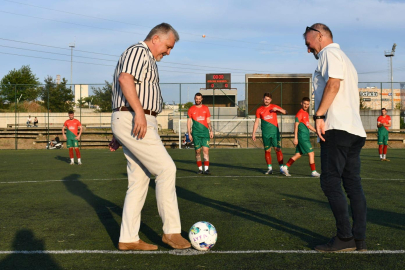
<point x="138" y="61"/>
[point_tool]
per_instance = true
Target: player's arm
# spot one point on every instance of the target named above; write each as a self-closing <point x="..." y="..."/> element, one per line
<point x="296" y="133"/>
<point x="279" y="109"/>
<point x="389" y="124"/>
<point x="189" y="129"/>
<point x="311" y="128"/>
<point x="80" y="132"/>
<point x="63" y="133"/>
<point x="379" y="124"/>
<point x="210" y="127"/>
<point x="255" y="126"/>
<point x="128" y="88"/>
<point x="329" y="94"/>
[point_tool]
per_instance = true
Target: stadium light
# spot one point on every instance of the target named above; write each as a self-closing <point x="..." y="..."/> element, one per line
<point x="390" y="55"/>
<point x="71" y="45"/>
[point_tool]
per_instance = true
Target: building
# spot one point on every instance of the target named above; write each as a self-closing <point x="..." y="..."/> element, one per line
<point x="372" y="98"/>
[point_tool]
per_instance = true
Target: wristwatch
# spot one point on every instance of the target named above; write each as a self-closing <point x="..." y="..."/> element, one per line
<point x="318" y="117"/>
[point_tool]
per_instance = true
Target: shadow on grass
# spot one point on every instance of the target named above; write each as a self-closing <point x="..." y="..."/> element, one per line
<point x="64" y="159"/>
<point x="104" y="210"/>
<point x="376" y="216"/>
<point x="228" y="167"/>
<point x="308" y="236"/>
<point x="25" y="241"/>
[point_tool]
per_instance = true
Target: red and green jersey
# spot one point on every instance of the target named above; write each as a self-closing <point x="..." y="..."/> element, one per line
<point x="302" y="117"/>
<point x="72" y="128"/>
<point x="269" y="123"/>
<point x="383" y="120"/>
<point x="199" y="116"/>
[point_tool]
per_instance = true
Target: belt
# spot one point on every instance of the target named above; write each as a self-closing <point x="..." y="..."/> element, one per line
<point x="129" y="109"/>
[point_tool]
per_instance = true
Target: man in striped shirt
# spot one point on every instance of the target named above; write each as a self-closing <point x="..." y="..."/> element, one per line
<point x="136" y="100"/>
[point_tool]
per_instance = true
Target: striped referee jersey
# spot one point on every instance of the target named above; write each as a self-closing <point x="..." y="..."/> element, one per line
<point x="138" y="61"/>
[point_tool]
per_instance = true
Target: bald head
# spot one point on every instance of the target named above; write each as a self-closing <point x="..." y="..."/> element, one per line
<point x="321" y="28"/>
<point x="317" y="37"/>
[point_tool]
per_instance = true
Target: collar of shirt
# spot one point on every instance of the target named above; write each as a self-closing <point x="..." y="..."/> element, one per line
<point x="332" y="45"/>
<point x="146" y="46"/>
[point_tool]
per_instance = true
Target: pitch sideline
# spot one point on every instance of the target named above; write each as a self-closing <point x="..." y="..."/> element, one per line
<point x="191" y="252"/>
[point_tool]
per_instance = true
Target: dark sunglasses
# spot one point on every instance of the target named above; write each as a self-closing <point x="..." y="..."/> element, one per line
<point x="311" y="29"/>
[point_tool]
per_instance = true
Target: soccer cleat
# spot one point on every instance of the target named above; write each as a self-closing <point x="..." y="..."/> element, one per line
<point x="79" y="163"/>
<point x="72" y="163"/>
<point x="382" y="159"/>
<point x="200" y="172"/>
<point x="315" y="174"/>
<point x="207" y="172"/>
<point x="269" y="171"/>
<point x="337" y="245"/>
<point x="284" y="170"/>
<point x="361" y="245"/>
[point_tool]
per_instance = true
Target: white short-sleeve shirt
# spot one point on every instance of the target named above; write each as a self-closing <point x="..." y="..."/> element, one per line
<point x="344" y="112"/>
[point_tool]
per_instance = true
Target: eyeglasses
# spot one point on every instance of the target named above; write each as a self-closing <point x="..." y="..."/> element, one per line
<point x="312" y="29"/>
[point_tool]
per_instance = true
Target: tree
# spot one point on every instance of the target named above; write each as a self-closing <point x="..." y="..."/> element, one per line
<point x="24" y="81"/>
<point x="102" y="97"/>
<point x="81" y="102"/>
<point x="88" y="100"/>
<point x="187" y="105"/>
<point x="61" y="98"/>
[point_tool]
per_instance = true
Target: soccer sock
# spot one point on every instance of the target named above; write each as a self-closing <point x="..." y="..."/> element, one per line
<point x="267" y="155"/>
<point x="312" y="167"/>
<point x="71" y="153"/>
<point x="290" y="162"/>
<point x="199" y="165"/>
<point x="385" y="150"/>
<point x="280" y="157"/>
<point x="206" y="164"/>
<point x="380" y="149"/>
<point x="77" y="152"/>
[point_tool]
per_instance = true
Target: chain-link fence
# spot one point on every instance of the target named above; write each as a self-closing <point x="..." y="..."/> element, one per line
<point x="33" y="115"/>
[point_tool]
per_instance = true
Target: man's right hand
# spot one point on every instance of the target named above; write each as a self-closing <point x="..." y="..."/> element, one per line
<point x="254" y="137"/>
<point x="64" y="137"/>
<point x="190" y="137"/>
<point x="295" y="142"/>
<point x="140" y="125"/>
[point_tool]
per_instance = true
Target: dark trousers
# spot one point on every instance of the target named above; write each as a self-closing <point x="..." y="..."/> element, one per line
<point x="340" y="163"/>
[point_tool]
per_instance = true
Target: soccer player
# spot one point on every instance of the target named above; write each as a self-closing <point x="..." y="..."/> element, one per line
<point x="383" y="123"/>
<point x="270" y="133"/>
<point x="301" y="139"/>
<point x="201" y="133"/>
<point x="72" y="137"/>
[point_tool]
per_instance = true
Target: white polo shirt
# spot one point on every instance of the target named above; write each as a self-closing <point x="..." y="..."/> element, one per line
<point x="344" y="112"/>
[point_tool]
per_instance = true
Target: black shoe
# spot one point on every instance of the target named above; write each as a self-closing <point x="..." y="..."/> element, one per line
<point x="361" y="245"/>
<point x="200" y="172"/>
<point x="337" y="245"/>
<point x="207" y="172"/>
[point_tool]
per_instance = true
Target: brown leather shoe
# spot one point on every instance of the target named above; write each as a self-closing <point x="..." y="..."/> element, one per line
<point x="139" y="245"/>
<point x="175" y="240"/>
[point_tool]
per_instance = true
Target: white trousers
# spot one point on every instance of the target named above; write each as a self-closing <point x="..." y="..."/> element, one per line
<point x="145" y="157"/>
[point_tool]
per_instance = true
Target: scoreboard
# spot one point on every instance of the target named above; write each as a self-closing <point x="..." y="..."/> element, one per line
<point x="218" y="81"/>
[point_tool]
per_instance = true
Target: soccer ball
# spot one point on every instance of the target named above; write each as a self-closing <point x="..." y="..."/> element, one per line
<point x="203" y="235"/>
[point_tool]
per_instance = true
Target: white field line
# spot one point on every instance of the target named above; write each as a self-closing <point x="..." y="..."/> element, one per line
<point x="197" y="176"/>
<point x="191" y="252"/>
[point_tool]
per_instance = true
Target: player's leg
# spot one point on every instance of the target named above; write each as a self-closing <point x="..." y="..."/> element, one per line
<point x="198" y="159"/>
<point x="385" y="147"/>
<point x="267" y="154"/>
<point x="311" y="157"/>
<point x="380" y="142"/>
<point x="70" y="146"/>
<point x="277" y="148"/>
<point x="290" y="162"/>
<point x="78" y="155"/>
<point x="206" y="159"/>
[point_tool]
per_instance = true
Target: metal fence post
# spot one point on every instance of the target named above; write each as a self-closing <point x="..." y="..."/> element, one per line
<point x="15" y="116"/>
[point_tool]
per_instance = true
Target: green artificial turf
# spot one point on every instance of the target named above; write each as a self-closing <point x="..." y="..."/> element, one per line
<point x="250" y="211"/>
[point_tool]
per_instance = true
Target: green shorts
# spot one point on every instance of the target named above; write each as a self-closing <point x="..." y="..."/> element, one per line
<point x="72" y="143"/>
<point x="271" y="140"/>
<point x="383" y="138"/>
<point x="304" y="147"/>
<point x="201" y="142"/>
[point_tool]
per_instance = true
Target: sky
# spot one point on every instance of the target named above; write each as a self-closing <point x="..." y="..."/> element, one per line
<point x="241" y="37"/>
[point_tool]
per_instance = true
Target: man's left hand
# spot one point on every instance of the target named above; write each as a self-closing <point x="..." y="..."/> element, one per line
<point x="211" y="135"/>
<point x="320" y="128"/>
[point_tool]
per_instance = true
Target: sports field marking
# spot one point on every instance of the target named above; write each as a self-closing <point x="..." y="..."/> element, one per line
<point x="196" y="176"/>
<point x="191" y="252"/>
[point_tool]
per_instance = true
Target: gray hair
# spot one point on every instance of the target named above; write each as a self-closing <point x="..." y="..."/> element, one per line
<point x="162" y="29"/>
<point x="321" y="27"/>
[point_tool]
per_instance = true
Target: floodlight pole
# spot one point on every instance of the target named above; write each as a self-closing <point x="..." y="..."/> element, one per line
<point x="390" y="55"/>
<point x="71" y="45"/>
